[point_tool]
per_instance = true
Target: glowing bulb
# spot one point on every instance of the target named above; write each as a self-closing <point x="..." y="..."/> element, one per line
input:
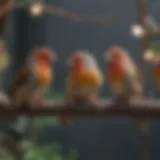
<point x="137" y="31"/>
<point x="149" y="55"/>
<point x="36" y="9"/>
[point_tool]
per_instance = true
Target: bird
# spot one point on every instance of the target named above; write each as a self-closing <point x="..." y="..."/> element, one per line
<point x="83" y="81"/>
<point x="123" y="77"/>
<point x="34" y="77"/>
<point x="28" y="85"/>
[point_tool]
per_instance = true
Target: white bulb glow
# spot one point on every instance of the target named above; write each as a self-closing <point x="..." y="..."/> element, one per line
<point x="137" y="31"/>
<point x="149" y="55"/>
<point x="36" y="9"/>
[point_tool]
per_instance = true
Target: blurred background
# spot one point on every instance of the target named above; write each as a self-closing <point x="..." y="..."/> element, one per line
<point x="86" y="139"/>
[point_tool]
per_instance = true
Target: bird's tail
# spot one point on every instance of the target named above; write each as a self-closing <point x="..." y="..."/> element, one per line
<point x="65" y="120"/>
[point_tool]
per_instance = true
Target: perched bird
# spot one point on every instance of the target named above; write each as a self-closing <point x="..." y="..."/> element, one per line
<point x="83" y="81"/>
<point x="30" y="82"/>
<point x="123" y="77"/>
<point x="28" y="85"/>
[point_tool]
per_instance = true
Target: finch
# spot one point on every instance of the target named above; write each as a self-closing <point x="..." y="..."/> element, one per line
<point x="83" y="81"/>
<point x="28" y="85"/>
<point x="123" y="77"/>
<point x="35" y="76"/>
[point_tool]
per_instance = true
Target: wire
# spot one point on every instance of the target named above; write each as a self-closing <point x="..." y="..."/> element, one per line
<point x="66" y="14"/>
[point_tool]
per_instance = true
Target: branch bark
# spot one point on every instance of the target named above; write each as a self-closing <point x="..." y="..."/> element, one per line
<point x="137" y="107"/>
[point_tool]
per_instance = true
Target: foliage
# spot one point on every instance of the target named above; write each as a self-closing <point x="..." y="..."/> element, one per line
<point x="39" y="152"/>
<point x="4" y="155"/>
<point x="54" y="152"/>
<point x="155" y="47"/>
<point x="155" y="43"/>
<point x="35" y="151"/>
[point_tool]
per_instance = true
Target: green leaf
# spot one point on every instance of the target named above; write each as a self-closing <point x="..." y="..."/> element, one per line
<point x="73" y="155"/>
<point x="45" y="121"/>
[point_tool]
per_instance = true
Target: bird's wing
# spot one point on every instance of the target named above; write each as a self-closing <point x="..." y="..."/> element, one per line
<point x="20" y="78"/>
<point x="133" y="81"/>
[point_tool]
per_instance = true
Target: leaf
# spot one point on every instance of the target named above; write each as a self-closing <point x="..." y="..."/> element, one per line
<point x="45" y="121"/>
<point x="73" y="155"/>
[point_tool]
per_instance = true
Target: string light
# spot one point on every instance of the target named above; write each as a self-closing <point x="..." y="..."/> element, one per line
<point x="149" y="55"/>
<point x="36" y="9"/>
<point x="137" y="30"/>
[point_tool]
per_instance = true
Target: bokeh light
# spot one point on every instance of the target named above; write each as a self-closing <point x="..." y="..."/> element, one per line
<point x="36" y="9"/>
<point x="137" y="30"/>
<point x="149" y="55"/>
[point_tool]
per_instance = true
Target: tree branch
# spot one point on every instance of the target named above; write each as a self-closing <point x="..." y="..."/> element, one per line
<point x="137" y="107"/>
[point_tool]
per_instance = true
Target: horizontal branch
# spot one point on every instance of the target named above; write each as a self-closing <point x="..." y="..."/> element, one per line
<point x="137" y="107"/>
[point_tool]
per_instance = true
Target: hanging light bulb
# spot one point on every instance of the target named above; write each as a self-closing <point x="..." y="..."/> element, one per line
<point x="137" y="30"/>
<point x="36" y="9"/>
<point x="149" y="55"/>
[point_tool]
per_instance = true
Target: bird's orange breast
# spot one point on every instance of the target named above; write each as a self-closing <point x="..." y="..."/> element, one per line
<point x="45" y="75"/>
<point x="86" y="78"/>
<point x="114" y="74"/>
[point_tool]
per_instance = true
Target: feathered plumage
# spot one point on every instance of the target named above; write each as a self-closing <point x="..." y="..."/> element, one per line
<point x="28" y="85"/>
<point x="30" y="81"/>
<point x="83" y="81"/>
<point x="123" y="77"/>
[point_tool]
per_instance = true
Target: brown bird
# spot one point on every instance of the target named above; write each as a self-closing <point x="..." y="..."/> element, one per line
<point x="83" y="81"/>
<point x="28" y="85"/>
<point x="35" y="76"/>
<point x="123" y="78"/>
